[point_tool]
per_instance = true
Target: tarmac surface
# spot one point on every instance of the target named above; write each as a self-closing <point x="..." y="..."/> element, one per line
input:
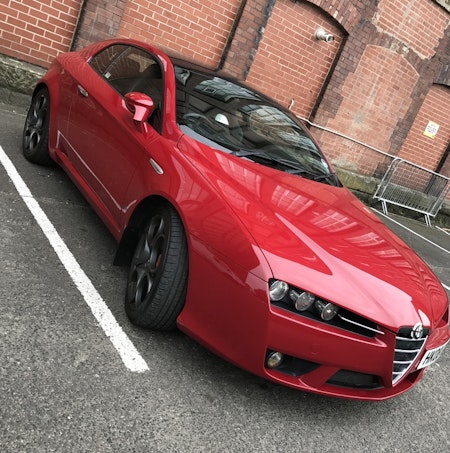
<point x="64" y="387"/>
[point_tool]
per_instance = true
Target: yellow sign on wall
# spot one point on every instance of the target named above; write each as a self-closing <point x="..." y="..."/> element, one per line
<point x="431" y="130"/>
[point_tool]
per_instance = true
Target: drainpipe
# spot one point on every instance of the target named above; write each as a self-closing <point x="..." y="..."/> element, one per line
<point x="259" y="34"/>
<point x="232" y="34"/>
<point x="78" y="25"/>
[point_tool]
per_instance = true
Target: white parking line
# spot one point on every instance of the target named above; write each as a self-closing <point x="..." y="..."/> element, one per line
<point x="417" y="234"/>
<point x="442" y="229"/>
<point x="127" y="351"/>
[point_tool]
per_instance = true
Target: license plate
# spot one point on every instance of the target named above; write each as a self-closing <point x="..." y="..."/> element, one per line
<point x="431" y="356"/>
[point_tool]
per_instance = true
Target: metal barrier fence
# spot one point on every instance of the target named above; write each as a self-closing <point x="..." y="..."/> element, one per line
<point x="413" y="187"/>
<point x="402" y="183"/>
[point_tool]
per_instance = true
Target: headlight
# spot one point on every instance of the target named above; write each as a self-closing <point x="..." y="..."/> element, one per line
<point x="301" y="301"/>
<point x="326" y="310"/>
<point x="278" y="289"/>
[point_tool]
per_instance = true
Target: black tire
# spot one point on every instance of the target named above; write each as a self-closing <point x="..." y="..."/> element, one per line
<point x="36" y="129"/>
<point x="157" y="280"/>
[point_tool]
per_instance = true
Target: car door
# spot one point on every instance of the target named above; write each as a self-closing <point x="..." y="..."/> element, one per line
<point x="105" y="145"/>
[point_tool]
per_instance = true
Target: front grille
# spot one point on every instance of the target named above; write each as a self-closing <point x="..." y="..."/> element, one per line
<point x="407" y="350"/>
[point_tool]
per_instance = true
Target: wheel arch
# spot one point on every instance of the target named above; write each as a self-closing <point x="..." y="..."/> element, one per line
<point x="130" y="236"/>
<point x="46" y="83"/>
<point x="38" y="86"/>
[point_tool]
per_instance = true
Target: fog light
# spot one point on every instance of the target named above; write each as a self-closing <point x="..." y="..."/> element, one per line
<point x="274" y="359"/>
<point x="278" y="290"/>
<point x="302" y="301"/>
<point x="326" y="310"/>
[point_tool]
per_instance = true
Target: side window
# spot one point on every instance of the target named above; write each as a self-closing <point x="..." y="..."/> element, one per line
<point x="128" y="68"/>
<point x="103" y="60"/>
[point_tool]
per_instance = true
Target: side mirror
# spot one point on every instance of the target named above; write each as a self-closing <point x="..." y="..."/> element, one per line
<point x="140" y="105"/>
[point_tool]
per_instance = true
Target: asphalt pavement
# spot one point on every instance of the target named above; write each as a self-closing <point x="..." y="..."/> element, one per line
<point x="64" y="387"/>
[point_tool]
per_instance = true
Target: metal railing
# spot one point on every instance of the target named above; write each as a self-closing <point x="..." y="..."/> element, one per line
<point x="413" y="187"/>
<point x="402" y="183"/>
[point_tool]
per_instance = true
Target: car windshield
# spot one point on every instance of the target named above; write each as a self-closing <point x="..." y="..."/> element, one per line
<point x="236" y="120"/>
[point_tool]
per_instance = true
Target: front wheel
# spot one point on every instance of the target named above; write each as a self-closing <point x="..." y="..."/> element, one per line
<point x="36" y="129"/>
<point x="157" y="279"/>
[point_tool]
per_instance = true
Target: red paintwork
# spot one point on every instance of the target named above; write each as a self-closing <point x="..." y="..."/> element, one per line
<point x="246" y="223"/>
<point x="140" y="105"/>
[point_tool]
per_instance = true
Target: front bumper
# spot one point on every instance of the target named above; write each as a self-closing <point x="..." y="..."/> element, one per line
<point x="337" y="362"/>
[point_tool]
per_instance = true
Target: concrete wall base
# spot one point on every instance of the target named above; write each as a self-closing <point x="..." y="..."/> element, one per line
<point x="17" y="75"/>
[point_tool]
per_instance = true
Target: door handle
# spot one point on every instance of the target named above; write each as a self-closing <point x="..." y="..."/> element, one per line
<point x="82" y="91"/>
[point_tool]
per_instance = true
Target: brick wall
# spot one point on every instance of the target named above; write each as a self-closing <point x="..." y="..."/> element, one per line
<point x="393" y="55"/>
<point x="370" y="83"/>
<point x="36" y="31"/>
<point x="373" y="100"/>
<point x="419" y="148"/>
<point x="418" y="24"/>
<point x="290" y="63"/>
<point x="99" y="20"/>
<point x="243" y="45"/>
<point x="197" y="29"/>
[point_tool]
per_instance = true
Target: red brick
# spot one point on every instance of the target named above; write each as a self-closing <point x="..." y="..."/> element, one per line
<point x="279" y="55"/>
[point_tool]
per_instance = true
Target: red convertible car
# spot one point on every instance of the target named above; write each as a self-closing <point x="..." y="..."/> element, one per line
<point x="234" y="225"/>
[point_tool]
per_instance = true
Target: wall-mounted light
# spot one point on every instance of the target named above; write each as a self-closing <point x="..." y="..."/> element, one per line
<point x="322" y="35"/>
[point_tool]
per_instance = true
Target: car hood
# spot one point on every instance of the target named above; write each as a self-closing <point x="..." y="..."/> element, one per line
<point x="322" y="239"/>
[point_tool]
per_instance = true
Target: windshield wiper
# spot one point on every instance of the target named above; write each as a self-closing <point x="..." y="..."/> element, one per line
<point x="292" y="168"/>
<point x="256" y="155"/>
<point x="331" y="178"/>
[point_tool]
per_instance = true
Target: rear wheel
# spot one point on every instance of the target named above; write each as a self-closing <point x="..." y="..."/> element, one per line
<point x="36" y="129"/>
<point x="157" y="280"/>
